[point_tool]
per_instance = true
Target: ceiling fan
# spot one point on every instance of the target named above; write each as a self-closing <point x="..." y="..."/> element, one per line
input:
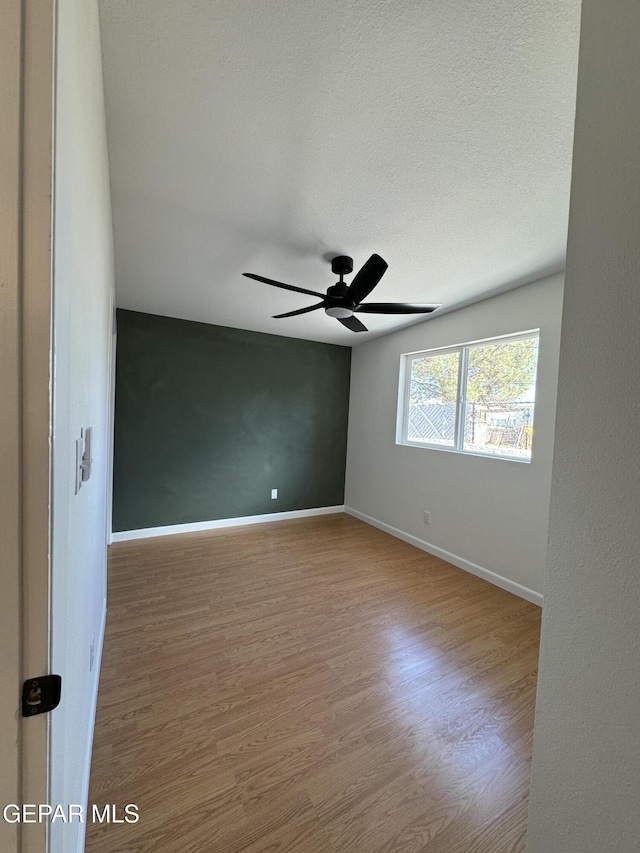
<point x="343" y="300"/>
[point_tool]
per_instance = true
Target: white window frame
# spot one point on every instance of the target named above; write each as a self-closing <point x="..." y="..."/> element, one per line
<point x="404" y="395"/>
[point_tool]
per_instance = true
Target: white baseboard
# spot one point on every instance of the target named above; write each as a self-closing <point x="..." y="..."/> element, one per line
<point x="196" y="526"/>
<point x="97" y="663"/>
<point x="460" y="562"/>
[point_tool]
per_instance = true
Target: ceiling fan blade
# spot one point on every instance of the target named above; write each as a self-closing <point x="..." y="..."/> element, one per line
<point x="366" y="278"/>
<point x="283" y="285"/>
<point x="299" y="311"/>
<point x="396" y="308"/>
<point x="353" y="323"/>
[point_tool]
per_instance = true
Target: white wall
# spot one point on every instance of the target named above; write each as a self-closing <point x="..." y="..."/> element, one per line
<point x="491" y="513"/>
<point x="585" y="794"/>
<point x="83" y="313"/>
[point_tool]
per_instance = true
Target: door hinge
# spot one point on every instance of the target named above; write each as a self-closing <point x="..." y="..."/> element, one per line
<point x="41" y="695"/>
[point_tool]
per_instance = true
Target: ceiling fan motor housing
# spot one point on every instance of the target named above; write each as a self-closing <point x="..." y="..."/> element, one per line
<point x="336" y="303"/>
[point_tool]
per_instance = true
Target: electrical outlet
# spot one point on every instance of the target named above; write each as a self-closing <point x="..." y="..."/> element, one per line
<point x="274" y="494"/>
<point x="427" y="517"/>
<point x="92" y="653"/>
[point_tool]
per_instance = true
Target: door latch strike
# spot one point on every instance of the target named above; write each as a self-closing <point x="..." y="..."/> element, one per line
<point x="41" y="695"/>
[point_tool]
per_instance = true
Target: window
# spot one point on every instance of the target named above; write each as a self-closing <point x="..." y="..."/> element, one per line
<point x="475" y="398"/>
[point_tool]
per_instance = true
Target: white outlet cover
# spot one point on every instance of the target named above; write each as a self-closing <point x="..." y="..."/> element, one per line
<point x="274" y="494"/>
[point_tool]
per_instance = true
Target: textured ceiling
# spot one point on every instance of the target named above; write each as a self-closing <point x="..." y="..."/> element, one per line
<point x="262" y="136"/>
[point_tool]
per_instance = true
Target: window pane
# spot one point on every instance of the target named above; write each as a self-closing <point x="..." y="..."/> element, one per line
<point x="500" y="398"/>
<point x="433" y="387"/>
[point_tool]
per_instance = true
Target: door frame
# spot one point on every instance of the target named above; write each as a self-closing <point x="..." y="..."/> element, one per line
<point x="10" y="551"/>
<point x="26" y="151"/>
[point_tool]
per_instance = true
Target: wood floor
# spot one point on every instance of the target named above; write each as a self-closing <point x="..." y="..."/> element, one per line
<point x="314" y="686"/>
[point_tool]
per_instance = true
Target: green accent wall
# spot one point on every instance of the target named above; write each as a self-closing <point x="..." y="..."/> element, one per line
<point x="209" y="419"/>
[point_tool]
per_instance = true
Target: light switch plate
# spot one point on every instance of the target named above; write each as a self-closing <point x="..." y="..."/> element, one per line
<point x="87" y="458"/>
<point x="79" y="455"/>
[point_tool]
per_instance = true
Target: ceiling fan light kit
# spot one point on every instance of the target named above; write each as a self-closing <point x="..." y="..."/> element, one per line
<point x="338" y="311"/>
<point x="343" y="300"/>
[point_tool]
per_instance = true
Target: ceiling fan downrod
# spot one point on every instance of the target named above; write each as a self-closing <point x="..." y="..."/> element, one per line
<point x="341" y="265"/>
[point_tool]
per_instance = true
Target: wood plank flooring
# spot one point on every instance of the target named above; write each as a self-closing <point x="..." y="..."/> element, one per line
<point x="311" y="686"/>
